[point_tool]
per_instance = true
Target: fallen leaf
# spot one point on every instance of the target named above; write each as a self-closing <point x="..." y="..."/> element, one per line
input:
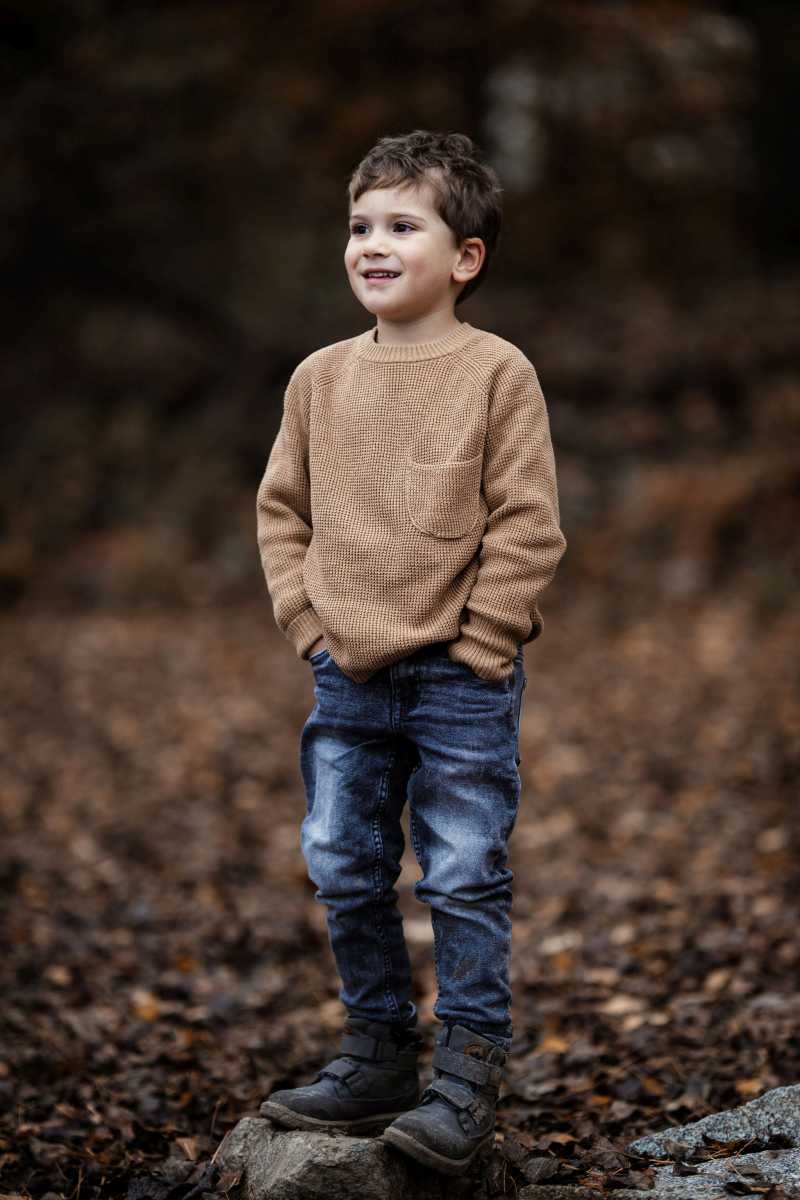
<point x="145" y="1005"/>
<point x="621" y="1004"/>
<point x="749" y="1087"/>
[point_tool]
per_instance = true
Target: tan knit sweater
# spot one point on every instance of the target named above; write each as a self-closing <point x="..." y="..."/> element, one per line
<point x="410" y="497"/>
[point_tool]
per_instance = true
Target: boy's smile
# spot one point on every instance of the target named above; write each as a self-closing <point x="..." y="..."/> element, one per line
<point x="404" y="263"/>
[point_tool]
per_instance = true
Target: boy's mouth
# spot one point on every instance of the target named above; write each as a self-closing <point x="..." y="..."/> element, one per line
<point x="377" y="274"/>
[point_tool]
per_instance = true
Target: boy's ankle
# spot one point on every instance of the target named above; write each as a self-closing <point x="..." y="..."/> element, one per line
<point x="402" y="1035"/>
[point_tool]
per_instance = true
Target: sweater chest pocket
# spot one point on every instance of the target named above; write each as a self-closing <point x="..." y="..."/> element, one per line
<point x="443" y="499"/>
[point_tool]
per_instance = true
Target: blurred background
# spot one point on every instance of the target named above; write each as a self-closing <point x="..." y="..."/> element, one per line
<point x="173" y="224"/>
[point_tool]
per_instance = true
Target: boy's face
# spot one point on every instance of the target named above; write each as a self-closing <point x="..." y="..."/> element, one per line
<point x="402" y="259"/>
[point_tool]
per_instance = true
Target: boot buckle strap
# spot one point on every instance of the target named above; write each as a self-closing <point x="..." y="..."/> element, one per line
<point x="465" y="1067"/>
<point x="457" y="1094"/>
<point x="365" y="1046"/>
<point x="347" y="1073"/>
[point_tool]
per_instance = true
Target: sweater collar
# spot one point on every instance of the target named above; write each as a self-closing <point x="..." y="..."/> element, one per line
<point x="416" y="351"/>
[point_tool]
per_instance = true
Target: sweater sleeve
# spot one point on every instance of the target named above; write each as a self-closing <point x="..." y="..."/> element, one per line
<point x="283" y="510"/>
<point x="522" y="543"/>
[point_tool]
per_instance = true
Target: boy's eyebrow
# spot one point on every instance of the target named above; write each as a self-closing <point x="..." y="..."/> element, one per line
<point x="356" y="216"/>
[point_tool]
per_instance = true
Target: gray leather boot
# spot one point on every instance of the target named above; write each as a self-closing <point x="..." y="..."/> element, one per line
<point x="373" y="1080"/>
<point x="454" y="1120"/>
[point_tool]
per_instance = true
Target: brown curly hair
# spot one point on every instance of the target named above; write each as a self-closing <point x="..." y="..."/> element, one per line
<point x="467" y="190"/>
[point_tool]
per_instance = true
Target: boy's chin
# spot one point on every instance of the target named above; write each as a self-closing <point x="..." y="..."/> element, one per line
<point x="396" y="315"/>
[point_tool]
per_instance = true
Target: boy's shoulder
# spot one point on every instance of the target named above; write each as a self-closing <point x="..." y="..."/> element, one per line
<point x="496" y="345"/>
<point x="327" y="361"/>
<point x="488" y="351"/>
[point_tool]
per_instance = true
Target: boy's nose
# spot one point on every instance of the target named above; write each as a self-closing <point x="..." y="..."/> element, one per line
<point x="374" y="244"/>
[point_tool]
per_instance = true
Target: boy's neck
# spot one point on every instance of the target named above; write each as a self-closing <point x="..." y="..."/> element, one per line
<point x="408" y="333"/>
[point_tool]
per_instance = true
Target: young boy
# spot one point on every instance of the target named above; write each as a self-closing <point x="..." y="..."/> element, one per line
<point x="407" y="522"/>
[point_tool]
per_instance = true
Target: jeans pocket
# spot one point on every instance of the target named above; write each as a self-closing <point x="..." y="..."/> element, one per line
<point x="319" y="657"/>
<point x="504" y="685"/>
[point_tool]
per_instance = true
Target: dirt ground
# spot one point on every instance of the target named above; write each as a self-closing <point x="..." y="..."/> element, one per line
<point x="165" y="963"/>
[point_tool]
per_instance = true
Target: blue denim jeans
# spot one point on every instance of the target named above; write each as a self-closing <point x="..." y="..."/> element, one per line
<point x="430" y="731"/>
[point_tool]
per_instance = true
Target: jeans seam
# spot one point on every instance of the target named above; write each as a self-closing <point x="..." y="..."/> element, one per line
<point x="518" y="715"/>
<point x="377" y="841"/>
<point x="415" y="842"/>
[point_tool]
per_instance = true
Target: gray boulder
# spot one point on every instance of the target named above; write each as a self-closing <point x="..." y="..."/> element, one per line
<point x="275" y="1164"/>
<point x="775" y="1114"/>
<point x="759" y="1170"/>
<point x="550" y="1191"/>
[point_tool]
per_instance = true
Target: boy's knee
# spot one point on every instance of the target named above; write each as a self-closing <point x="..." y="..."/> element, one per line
<point x="342" y="867"/>
<point x="461" y="886"/>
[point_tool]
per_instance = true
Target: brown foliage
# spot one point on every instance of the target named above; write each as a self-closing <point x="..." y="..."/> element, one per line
<point x="165" y="963"/>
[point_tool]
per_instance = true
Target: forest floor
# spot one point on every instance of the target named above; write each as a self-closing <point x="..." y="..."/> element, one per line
<point x="165" y="963"/>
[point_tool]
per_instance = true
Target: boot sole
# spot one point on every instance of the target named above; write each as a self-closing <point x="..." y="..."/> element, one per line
<point x="290" y="1119"/>
<point x="423" y="1154"/>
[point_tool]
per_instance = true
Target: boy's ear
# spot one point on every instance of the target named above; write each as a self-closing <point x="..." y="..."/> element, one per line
<point x="472" y="252"/>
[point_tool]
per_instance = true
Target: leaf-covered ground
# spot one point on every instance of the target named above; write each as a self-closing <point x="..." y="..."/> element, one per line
<point x="164" y="961"/>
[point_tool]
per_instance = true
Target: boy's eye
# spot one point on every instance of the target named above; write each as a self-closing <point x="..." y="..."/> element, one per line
<point x="359" y="227"/>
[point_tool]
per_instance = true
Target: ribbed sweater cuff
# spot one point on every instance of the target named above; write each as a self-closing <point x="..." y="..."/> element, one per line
<point x="477" y="648"/>
<point x="304" y="630"/>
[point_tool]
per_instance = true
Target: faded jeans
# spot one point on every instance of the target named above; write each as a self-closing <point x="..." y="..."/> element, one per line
<point x="429" y="730"/>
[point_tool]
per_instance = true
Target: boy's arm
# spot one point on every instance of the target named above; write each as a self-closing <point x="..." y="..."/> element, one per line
<point x="522" y="544"/>
<point x="283" y="509"/>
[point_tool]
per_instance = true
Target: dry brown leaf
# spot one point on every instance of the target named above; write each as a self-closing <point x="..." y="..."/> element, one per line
<point x="749" y="1087"/>
<point x="621" y="1005"/>
<point x="145" y="1005"/>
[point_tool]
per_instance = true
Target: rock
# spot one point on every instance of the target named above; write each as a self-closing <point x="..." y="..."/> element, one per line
<point x="775" y="1114"/>
<point x="295" y="1165"/>
<point x="759" y="1170"/>
<point x="563" y="1192"/>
